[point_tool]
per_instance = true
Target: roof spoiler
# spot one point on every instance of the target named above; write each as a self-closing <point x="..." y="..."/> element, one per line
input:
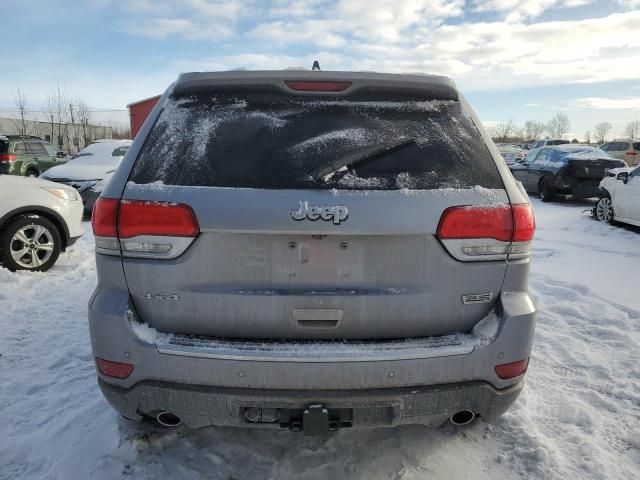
<point x="432" y="87"/>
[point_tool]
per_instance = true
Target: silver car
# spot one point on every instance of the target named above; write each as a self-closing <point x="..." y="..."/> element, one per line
<point x="312" y="251"/>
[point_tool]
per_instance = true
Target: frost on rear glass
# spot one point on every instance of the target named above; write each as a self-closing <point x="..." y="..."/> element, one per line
<point x="266" y="140"/>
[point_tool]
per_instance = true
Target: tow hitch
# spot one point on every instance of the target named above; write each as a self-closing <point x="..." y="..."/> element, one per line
<point x="316" y="419"/>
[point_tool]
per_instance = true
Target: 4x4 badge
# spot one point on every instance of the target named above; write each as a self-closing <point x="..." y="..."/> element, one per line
<point x="335" y="214"/>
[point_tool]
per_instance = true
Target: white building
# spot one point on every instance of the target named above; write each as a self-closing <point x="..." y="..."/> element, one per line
<point x="67" y="136"/>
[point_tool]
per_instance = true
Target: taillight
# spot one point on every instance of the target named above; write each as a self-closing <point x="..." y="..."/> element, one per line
<point x="632" y="153"/>
<point x="317" y="86"/>
<point x="114" y="369"/>
<point x="487" y="232"/>
<point x="7" y="158"/>
<point x="506" y="371"/>
<point x="140" y="228"/>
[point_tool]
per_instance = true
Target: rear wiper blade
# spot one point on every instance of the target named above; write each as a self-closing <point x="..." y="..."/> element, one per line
<point x="368" y="154"/>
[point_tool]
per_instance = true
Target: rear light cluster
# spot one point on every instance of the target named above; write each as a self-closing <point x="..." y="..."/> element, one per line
<point x="7" y="158"/>
<point x="632" y="153"/>
<point x="487" y="232"/>
<point x="140" y="228"/>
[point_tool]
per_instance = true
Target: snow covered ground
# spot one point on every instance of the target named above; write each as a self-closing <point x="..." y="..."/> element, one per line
<point x="578" y="418"/>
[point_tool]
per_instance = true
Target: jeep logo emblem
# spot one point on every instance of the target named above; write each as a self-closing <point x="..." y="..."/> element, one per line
<point x="335" y="214"/>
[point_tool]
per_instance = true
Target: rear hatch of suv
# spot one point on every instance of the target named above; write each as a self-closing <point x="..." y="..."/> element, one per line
<point x="314" y="210"/>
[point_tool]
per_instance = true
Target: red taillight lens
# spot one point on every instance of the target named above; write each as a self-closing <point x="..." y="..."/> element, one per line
<point x="317" y="86"/>
<point x="524" y="223"/>
<point x="114" y="369"/>
<point x="512" y="370"/>
<point x="477" y="222"/>
<point x="156" y="218"/>
<point x="632" y="153"/>
<point x="7" y="158"/>
<point x="104" y="216"/>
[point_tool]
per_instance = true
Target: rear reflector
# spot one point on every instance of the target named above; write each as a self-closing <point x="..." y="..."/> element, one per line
<point x="7" y="158"/>
<point x="103" y="217"/>
<point x="512" y="370"/>
<point x="156" y="219"/>
<point x="114" y="369"/>
<point x="316" y="86"/>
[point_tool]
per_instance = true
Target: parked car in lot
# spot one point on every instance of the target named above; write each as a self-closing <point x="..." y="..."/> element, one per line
<point x="86" y="171"/>
<point x="511" y="154"/>
<point x="27" y="155"/>
<point x="344" y="271"/>
<point x="564" y="169"/>
<point x="38" y="220"/>
<point x="620" y="196"/>
<point x="627" y="150"/>
<point x="548" y="142"/>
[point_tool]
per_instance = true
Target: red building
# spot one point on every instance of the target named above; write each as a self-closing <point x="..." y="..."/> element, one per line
<point x="139" y="111"/>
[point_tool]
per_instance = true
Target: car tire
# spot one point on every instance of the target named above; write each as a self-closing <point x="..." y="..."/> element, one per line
<point x="545" y="191"/>
<point x="30" y="242"/>
<point x="32" y="173"/>
<point x="603" y="211"/>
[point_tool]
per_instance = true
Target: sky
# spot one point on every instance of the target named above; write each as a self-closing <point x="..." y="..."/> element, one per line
<point x="512" y="59"/>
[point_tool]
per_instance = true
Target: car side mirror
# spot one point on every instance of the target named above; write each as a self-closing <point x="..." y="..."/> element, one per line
<point x="624" y="176"/>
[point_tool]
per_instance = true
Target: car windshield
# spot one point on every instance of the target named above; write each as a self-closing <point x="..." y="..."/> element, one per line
<point x="202" y="140"/>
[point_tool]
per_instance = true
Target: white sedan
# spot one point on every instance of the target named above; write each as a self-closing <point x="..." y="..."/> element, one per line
<point x="620" y="198"/>
<point x="38" y="220"/>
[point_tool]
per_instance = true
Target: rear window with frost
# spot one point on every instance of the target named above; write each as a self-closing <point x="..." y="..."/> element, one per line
<point x="274" y="141"/>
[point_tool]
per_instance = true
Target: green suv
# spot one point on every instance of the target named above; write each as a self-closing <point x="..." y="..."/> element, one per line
<point x="27" y="156"/>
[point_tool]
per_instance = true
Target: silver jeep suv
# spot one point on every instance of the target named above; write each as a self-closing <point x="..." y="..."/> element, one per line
<point x="312" y="251"/>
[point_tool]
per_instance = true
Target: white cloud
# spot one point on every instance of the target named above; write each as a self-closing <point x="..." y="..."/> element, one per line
<point x="518" y="10"/>
<point x="607" y="103"/>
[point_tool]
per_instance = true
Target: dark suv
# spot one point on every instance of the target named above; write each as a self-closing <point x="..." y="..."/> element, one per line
<point x="312" y="251"/>
<point x="27" y="155"/>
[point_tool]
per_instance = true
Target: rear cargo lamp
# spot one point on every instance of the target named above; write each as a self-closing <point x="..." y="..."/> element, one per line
<point x="140" y="228"/>
<point x="317" y="86"/>
<point x="7" y="158"/>
<point x="511" y="370"/>
<point x="114" y="369"/>
<point x="487" y="232"/>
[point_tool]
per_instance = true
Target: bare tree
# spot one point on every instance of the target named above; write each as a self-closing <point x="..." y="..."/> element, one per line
<point x="49" y="110"/>
<point x="632" y="129"/>
<point x="587" y="137"/>
<point x="83" y="116"/>
<point x="505" y="130"/>
<point x="533" y="129"/>
<point x="601" y="130"/>
<point x="559" y="125"/>
<point x="20" y="101"/>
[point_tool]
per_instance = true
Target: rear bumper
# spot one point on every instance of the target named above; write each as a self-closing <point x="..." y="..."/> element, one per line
<point x="211" y="387"/>
<point x="200" y="406"/>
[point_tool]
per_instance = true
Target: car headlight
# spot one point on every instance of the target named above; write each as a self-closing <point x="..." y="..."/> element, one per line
<point x="63" y="193"/>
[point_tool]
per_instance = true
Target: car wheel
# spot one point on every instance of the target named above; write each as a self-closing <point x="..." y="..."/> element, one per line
<point x="30" y="242"/>
<point x="545" y="191"/>
<point x="32" y="173"/>
<point x="604" y="210"/>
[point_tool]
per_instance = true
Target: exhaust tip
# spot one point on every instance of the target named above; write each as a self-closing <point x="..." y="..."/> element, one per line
<point x="168" y="419"/>
<point x="463" y="417"/>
